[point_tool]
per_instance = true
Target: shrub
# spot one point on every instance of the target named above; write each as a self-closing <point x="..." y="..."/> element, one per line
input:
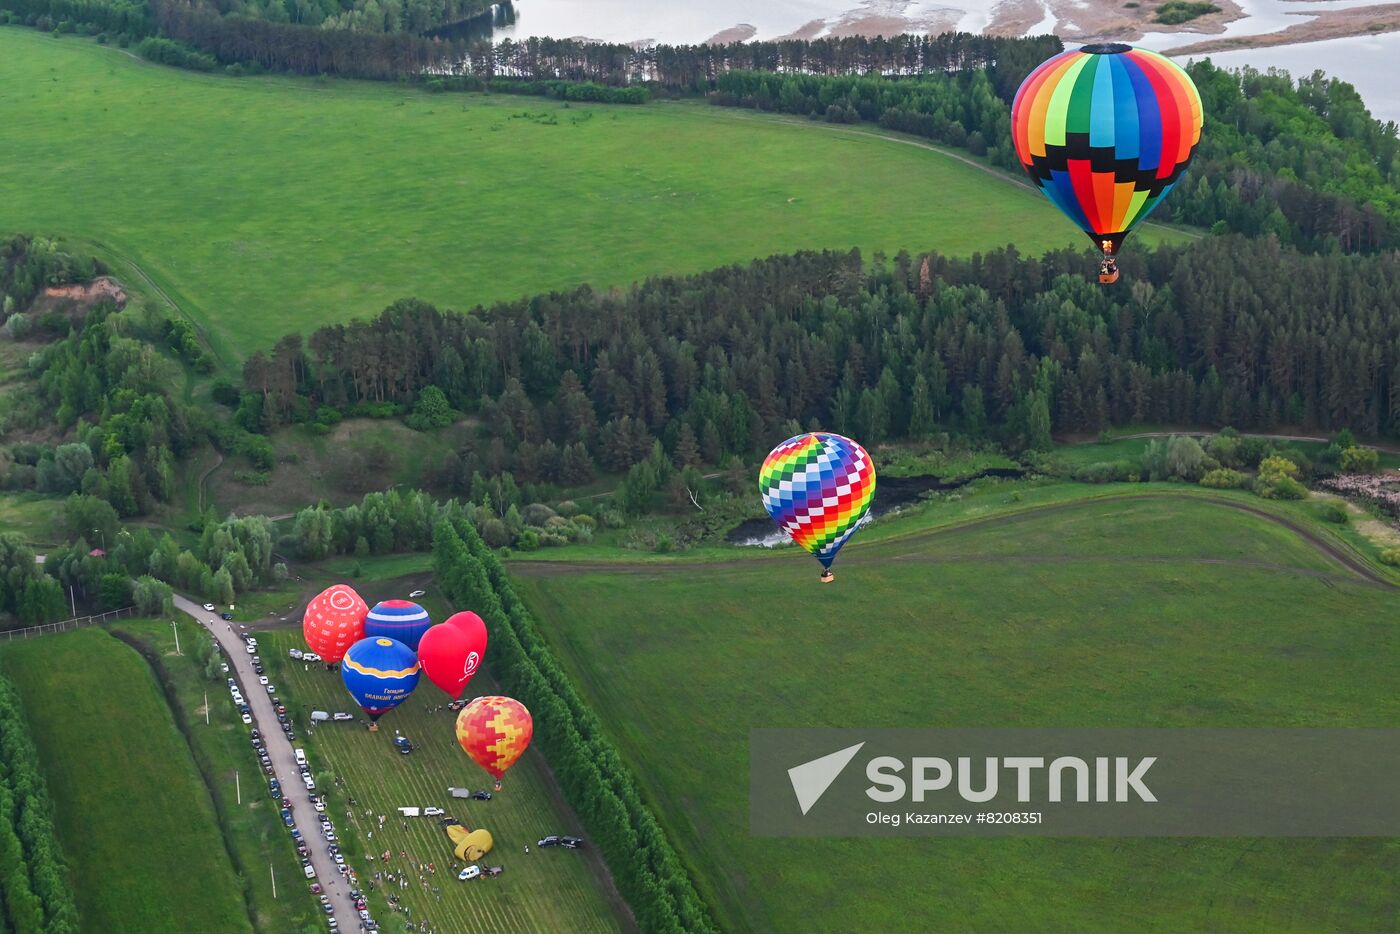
<point x="1223" y="478"/>
<point x="1332" y="512"/>
<point x="169" y="52"/>
<point x="1391" y="556"/>
<point x="1359" y="460"/>
<point x="1104" y="472"/>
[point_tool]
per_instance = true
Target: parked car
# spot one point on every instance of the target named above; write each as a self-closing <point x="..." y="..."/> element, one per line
<point x="295" y="653"/>
<point x="480" y="796"/>
<point x="416" y="594"/>
<point x="341" y="717"/>
<point x="226" y="617"/>
<point x="271" y="689"/>
<point x="252" y="649"/>
<point x="551" y="840"/>
<point x="209" y="607"/>
<point x="248" y="719"/>
<point x="433" y="812"/>
<point x="310" y="657"/>
<point x="223" y="666"/>
<point x="471" y="872"/>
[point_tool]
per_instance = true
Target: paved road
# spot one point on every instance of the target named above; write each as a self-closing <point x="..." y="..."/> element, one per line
<point x="284" y="766"/>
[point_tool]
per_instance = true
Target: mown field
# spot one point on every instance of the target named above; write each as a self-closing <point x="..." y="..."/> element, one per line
<point x="1169" y="611"/>
<point x="133" y="815"/>
<point x="272" y="204"/>
<point x="546" y="890"/>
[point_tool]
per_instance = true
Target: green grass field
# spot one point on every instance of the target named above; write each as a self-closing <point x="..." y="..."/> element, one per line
<point x="267" y="205"/>
<point x="262" y="847"/>
<point x="548" y="890"/>
<point x="1165" y="611"/>
<point x="132" y="813"/>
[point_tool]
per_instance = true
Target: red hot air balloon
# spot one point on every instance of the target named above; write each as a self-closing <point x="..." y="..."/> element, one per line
<point x="334" y="621"/>
<point x="451" y="652"/>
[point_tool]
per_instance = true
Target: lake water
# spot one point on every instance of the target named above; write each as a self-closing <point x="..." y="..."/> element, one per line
<point x="1368" y="62"/>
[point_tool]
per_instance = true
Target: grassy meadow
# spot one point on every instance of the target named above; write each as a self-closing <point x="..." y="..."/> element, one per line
<point x="132" y="813"/>
<point x="265" y="205"/>
<point x="1168" y="611"/>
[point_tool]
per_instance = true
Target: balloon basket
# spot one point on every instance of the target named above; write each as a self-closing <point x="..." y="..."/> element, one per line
<point x="1108" y="278"/>
<point x="827" y="577"/>
<point x="374" y="728"/>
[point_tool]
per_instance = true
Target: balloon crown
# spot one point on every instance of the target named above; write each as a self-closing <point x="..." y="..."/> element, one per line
<point x="1107" y="48"/>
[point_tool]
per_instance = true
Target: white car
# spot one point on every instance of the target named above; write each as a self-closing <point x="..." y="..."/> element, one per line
<point x="252" y="649"/>
<point x="433" y="812"/>
<point x="224" y="668"/>
<point x="310" y="657"/>
<point x="247" y="719"/>
<point x="471" y="872"/>
<point x="320" y="806"/>
<point x="263" y="680"/>
<point x="272" y="689"/>
<point x="209" y="607"/>
<point x="416" y="594"/>
<point x="295" y="653"/>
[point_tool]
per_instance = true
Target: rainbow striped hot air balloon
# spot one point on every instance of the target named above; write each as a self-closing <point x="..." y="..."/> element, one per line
<point x="817" y="487"/>
<point x="1106" y="131"/>
<point x="379" y="673"/>
<point x="403" y="620"/>
<point x="495" y="732"/>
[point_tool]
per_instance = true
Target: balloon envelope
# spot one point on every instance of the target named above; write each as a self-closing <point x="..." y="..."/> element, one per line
<point x="334" y="620"/>
<point x="379" y="673"/>
<point x="403" y="620"/>
<point x="817" y="487"/>
<point x="1105" y="132"/>
<point x="468" y="621"/>
<point x="495" y="732"/>
<point x="451" y="654"/>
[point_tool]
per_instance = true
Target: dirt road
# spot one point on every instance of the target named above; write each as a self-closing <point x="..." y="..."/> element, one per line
<point x="284" y="764"/>
<point x="1354" y="565"/>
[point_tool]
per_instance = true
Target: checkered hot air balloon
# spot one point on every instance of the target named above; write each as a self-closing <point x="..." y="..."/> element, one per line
<point x="818" y="487"/>
<point x="334" y="620"/>
<point x="1106" y="132"/>
<point x="403" y="620"/>
<point x="495" y="732"/>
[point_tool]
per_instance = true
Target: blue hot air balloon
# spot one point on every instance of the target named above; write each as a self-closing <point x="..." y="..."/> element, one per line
<point x="379" y="673"/>
<point x="403" y="620"/>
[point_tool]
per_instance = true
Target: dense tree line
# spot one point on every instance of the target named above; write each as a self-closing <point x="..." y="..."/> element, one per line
<point x="33" y="874"/>
<point x="28" y="596"/>
<point x="1224" y="331"/>
<point x="595" y="780"/>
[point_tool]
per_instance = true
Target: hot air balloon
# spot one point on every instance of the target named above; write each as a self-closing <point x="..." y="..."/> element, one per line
<point x="817" y="487"/>
<point x="1106" y="131"/>
<point x="334" y="620"/>
<point x="403" y="620"/>
<point x="379" y="673"/>
<point x="495" y="732"/>
<point x="451" y="652"/>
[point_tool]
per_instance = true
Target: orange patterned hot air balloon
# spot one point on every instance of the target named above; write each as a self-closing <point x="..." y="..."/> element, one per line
<point x="495" y="732"/>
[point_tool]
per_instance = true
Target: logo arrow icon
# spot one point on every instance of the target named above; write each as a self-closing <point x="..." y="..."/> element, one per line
<point x="810" y="780"/>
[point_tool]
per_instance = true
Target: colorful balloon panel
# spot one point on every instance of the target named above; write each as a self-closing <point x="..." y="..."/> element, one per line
<point x="494" y="731"/>
<point x="403" y="620"/>
<point x="1105" y="132"/>
<point x="379" y="673"/>
<point x="451" y="654"/>
<point x="334" y="620"/>
<point x="817" y="487"/>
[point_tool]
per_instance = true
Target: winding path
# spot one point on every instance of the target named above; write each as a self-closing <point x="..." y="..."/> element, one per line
<point x="1357" y="568"/>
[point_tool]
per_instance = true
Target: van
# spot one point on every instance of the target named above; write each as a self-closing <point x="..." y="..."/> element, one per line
<point x="310" y="872"/>
<point x="301" y="756"/>
<point x="471" y="872"/>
